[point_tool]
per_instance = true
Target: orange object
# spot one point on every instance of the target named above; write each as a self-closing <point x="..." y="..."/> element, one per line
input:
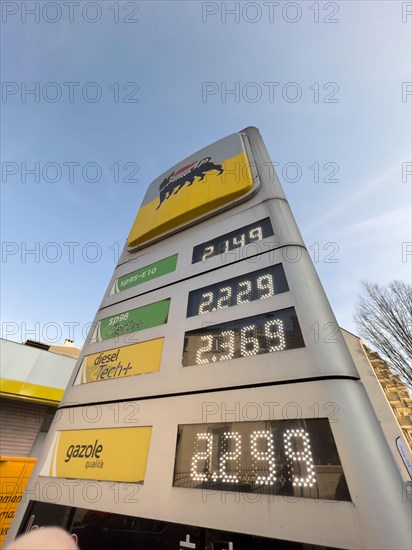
<point x="14" y="475"/>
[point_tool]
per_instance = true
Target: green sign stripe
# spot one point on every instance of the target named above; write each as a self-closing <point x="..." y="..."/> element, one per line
<point x="147" y="273"/>
<point x="133" y="320"/>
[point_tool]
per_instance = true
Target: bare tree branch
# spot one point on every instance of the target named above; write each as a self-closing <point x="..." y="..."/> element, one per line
<point x="383" y="318"/>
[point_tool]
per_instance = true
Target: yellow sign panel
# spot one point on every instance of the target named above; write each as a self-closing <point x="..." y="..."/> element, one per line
<point x="202" y="183"/>
<point x="107" y="454"/>
<point x="116" y="363"/>
<point x="14" y="475"/>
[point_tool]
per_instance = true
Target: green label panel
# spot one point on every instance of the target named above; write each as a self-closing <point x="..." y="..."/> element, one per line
<point x="133" y="320"/>
<point x="147" y="273"/>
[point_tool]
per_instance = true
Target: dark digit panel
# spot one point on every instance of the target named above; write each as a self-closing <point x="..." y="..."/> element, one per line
<point x="257" y="285"/>
<point x="277" y="457"/>
<point x="264" y="333"/>
<point x="235" y="239"/>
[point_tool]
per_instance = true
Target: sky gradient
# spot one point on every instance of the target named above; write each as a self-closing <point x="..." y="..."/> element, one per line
<point x="124" y="90"/>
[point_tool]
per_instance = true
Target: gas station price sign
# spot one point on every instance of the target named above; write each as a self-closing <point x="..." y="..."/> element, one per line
<point x="235" y="239"/>
<point x="277" y="457"/>
<point x="257" y="285"/>
<point x="256" y="335"/>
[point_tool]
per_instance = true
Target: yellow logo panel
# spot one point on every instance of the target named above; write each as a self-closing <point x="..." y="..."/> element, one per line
<point x="106" y="454"/>
<point x="202" y="183"/>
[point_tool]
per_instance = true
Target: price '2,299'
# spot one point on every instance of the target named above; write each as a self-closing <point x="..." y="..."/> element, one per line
<point x="279" y="457"/>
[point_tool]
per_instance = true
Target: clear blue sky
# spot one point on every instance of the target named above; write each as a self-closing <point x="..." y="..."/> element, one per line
<point x="352" y="118"/>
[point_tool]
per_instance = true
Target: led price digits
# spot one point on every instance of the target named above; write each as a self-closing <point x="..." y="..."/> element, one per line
<point x="278" y="457"/>
<point x="233" y="240"/>
<point x="268" y="455"/>
<point x="226" y="245"/>
<point x="249" y="342"/>
<point x="300" y="456"/>
<point x="257" y="285"/>
<point x="229" y="461"/>
<point x="201" y="456"/>
<point x="264" y="333"/>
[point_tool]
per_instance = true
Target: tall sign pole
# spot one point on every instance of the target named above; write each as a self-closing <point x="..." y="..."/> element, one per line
<point x="215" y="396"/>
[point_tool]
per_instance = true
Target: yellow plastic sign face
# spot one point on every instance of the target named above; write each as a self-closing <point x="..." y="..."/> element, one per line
<point x="202" y="183"/>
<point x="14" y="475"/>
<point x="107" y="454"/>
<point x="115" y="363"/>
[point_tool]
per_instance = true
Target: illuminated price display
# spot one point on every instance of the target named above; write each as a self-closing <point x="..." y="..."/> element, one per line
<point x="235" y="239"/>
<point x="278" y="457"/>
<point x="264" y="333"/>
<point x="258" y="285"/>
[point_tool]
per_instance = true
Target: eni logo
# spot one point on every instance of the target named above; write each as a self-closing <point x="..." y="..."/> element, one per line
<point x="174" y="182"/>
<point x="84" y="451"/>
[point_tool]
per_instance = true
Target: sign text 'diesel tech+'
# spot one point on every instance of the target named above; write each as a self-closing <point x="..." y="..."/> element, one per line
<point x="140" y="358"/>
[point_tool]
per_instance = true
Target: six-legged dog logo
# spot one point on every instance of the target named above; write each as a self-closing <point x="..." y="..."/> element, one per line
<point x="172" y="184"/>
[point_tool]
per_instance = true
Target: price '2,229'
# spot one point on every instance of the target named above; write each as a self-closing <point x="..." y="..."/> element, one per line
<point x="257" y="285"/>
